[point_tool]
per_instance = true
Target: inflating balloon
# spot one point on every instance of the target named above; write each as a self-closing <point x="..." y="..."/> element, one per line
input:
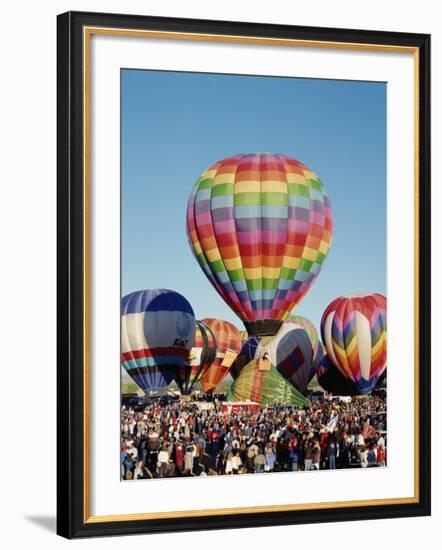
<point x="260" y="226"/>
<point x="354" y="333"/>
<point x="228" y="345"/>
<point x="259" y="381"/>
<point x="157" y="333"/>
<point x="200" y="358"/>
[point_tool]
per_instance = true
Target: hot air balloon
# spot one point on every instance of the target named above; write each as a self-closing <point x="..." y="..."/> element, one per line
<point x="318" y="348"/>
<point x="260" y="226"/>
<point x="228" y="345"/>
<point x="264" y="385"/>
<point x="200" y="358"/>
<point x="157" y="333"/>
<point x="354" y="333"/>
<point x="246" y="354"/>
<point x="291" y="352"/>
<point x="332" y="380"/>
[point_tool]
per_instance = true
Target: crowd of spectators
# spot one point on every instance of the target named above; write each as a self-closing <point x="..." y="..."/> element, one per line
<point x="195" y="438"/>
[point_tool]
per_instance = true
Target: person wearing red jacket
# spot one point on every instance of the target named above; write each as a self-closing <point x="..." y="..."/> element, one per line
<point x="179" y="458"/>
<point x="381" y="456"/>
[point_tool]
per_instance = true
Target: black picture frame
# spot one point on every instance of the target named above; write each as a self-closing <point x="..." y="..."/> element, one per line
<point x="71" y="519"/>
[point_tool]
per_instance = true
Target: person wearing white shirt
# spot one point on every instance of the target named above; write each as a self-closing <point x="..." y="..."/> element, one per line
<point x="229" y="464"/>
<point x="236" y="463"/>
<point x="138" y="472"/>
<point x="363" y="456"/>
<point x="163" y="461"/>
<point x="133" y="451"/>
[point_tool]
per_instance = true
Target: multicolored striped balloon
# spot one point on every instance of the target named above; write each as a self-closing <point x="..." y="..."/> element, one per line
<point x="354" y="333"/>
<point x="260" y="226"/>
<point x="157" y="333"/>
<point x="318" y="348"/>
<point x="228" y="345"/>
<point x="200" y="358"/>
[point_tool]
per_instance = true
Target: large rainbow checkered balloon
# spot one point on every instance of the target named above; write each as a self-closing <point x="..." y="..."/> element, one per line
<point x="354" y="332"/>
<point x="260" y="226"/>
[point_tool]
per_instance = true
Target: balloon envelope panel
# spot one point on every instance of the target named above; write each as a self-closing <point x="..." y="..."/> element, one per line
<point x="260" y="226"/>
<point x="247" y="353"/>
<point x="354" y="332"/>
<point x="318" y="348"/>
<point x="157" y="332"/>
<point x="228" y="345"/>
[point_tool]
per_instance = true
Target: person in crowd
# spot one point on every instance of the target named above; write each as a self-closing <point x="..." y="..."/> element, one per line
<point x="372" y="456"/>
<point x="270" y="459"/>
<point x="179" y="458"/>
<point x="294" y="458"/>
<point x="381" y="456"/>
<point x="316" y="457"/>
<point x="220" y="463"/>
<point x="331" y="454"/>
<point x="140" y="471"/>
<point x="188" y="458"/>
<point x="344" y="452"/>
<point x="259" y="461"/>
<point x="229" y="464"/>
<point x="163" y="461"/>
<point x="236" y="462"/>
<point x="363" y="456"/>
<point x="308" y="457"/>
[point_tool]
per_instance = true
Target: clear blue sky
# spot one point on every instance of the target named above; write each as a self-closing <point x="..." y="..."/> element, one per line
<point x="175" y="125"/>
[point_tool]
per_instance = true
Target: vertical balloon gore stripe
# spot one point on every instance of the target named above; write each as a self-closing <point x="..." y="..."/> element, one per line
<point x="260" y="226"/>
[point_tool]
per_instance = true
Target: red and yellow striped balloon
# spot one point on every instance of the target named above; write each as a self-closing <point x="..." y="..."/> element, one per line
<point x="228" y="345"/>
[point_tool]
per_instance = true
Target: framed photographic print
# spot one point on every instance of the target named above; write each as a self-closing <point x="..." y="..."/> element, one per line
<point x="237" y="203"/>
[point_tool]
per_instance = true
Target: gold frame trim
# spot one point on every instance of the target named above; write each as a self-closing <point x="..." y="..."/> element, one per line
<point x="87" y="34"/>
